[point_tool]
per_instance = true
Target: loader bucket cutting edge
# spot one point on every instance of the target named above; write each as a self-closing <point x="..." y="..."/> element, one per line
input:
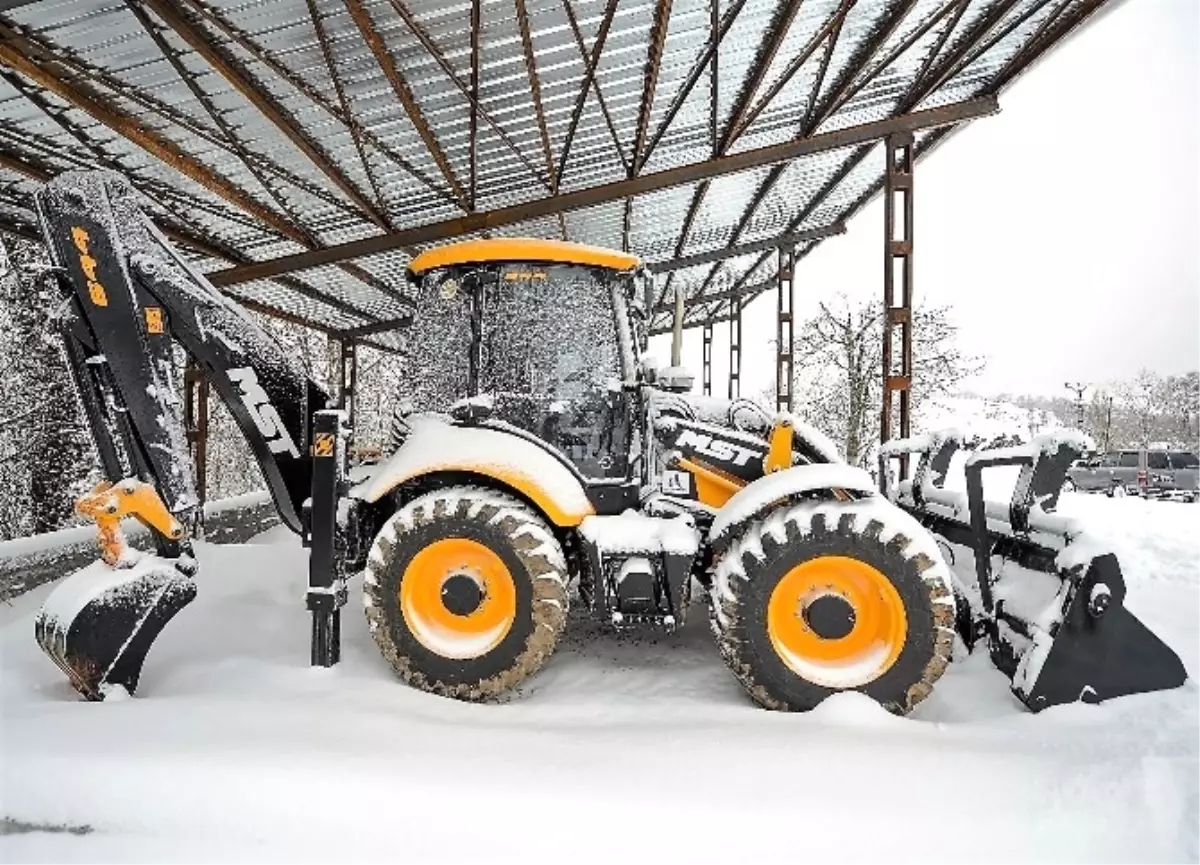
<point x="99" y="623"/>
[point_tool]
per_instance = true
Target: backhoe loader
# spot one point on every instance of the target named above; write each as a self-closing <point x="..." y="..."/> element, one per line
<point x="539" y="457"/>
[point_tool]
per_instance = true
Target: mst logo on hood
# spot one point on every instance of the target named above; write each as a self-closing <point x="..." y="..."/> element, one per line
<point x="738" y="455"/>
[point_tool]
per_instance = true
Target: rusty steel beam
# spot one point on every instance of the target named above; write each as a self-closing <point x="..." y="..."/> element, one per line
<point x="19" y="166"/>
<point x="833" y="28"/>
<point x="211" y="248"/>
<point x="86" y="73"/>
<point x="702" y="61"/>
<point x="581" y="46"/>
<point x="1060" y="28"/>
<point x="941" y="71"/>
<point x="810" y="106"/>
<point x="785" y="277"/>
<point x="366" y="27"/>
<point x="789" y="239"/>
<point x="341" y="111"/>
<point x="815" y="112"/>
<point x="616" y="190"/>
<point x="589" y="83"/>
<point x="339" y="88"/>
<point x="535" y="89"/>
<point x="772" y="40"/>
<point x="473" y="98"/>
<point x="129" y="128"/>
<point x="961" y="7"/>
<point x="714" y="77"/>
<point x="818" y="113"/>
<point x="375" y="327"/>
<point x="239" y="78"/>
<point x="897" y="298"/>
<point x="735" y="348"/>
<point x="156" y="191"/>
<point x="964" y="52"/>
<point x="826" y="189"/>
<point x="469" y="89"/>
<point x="535" y="85"/>
<point x="205" y="101"/>
<point x="802" y="57"/>
<point x="654" y="55"/>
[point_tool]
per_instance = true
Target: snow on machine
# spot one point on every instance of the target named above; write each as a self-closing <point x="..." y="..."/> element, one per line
<point x="1048" y="599"/>
<point x="537" y="451"/>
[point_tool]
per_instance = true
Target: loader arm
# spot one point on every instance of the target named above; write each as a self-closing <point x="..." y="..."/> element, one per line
<point x="130" y="295"/>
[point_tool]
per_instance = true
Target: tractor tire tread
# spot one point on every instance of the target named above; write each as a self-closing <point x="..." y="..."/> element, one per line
<point x="789" y="527"/>
<point x="534" y="545"/>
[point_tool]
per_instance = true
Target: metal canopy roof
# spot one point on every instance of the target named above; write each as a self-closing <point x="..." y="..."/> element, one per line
<point x="304" y="150"/>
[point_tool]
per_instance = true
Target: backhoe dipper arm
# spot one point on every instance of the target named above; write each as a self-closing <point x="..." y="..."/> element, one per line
<point x="131" y="293"/>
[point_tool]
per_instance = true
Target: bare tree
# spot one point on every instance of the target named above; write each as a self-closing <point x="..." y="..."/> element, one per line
<point x="838" y="360"/>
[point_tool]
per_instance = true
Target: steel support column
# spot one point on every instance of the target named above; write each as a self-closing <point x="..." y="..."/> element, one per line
<point x="195" y="422"/>
<point x="897" y="287"/>
<point x="706" y="360"/>
<point x="348" y="378"/>
<point x="785" y="280"/>
<point x="735" y="348"/>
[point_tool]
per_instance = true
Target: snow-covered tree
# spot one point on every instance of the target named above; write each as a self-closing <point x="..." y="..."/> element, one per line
<point x="46" y="452"/>
<point x="838" y="362"/>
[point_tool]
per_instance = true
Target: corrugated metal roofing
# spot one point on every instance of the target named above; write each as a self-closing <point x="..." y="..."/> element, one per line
<point x="326" y="121"/>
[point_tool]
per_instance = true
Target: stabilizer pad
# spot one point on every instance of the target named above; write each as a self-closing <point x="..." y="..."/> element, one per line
<point x="99" y="623"/>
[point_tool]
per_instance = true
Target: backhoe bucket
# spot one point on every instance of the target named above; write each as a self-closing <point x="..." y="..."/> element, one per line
<point x="98" y="624"/>
<point x="1050" y="600"/>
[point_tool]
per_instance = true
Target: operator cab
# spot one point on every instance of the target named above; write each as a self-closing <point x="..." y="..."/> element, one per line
<point x="544" y="334"/>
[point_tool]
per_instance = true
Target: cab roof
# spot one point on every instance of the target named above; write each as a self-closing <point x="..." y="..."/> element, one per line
<point x="522" y="249"/>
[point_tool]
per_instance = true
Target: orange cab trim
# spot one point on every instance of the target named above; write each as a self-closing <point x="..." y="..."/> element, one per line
<point x="521" y="249"/>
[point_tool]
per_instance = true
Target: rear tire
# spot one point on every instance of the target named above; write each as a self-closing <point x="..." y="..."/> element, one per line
<point x="465" y="593"/>
<point x="900" y="662"/>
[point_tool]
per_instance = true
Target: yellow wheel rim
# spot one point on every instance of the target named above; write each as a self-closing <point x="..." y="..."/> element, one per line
<point x="869" y="639"/>
<point x="432" y="582"/>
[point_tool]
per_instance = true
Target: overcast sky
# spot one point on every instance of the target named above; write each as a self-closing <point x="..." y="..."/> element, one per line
<point x="1063" y="231"/>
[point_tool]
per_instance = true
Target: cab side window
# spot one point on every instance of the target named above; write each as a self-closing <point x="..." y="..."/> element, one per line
<point x="1156" y="459"/>
<point x="1129" y="459"/>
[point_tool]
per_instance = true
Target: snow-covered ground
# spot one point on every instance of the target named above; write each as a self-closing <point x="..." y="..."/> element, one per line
<point x="629" y="748"/>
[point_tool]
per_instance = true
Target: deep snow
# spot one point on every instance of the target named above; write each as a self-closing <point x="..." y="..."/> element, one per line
<point x="622" y="749"/>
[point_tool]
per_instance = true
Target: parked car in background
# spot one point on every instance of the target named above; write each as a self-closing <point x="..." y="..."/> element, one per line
<point x="1152" y="473"/>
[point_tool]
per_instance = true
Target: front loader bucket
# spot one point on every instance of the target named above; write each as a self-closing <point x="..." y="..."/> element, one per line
<point x="1051" y="600"/>
<point x="1097" y="649"/>
<point x="98" y="624"/>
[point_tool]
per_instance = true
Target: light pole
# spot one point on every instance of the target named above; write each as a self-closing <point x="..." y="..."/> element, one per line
<point x="1078" y="388"/>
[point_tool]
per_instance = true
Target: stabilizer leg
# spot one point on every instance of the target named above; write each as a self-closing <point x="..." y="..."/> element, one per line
<point x="326" y="568"/>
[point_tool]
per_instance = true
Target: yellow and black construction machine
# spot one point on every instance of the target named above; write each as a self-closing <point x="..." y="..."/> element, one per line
<point x="538" y="457"/>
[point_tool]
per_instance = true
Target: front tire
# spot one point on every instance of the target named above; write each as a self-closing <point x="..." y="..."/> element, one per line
<point x="465" y="593"/>
<point x="815" y="599"/>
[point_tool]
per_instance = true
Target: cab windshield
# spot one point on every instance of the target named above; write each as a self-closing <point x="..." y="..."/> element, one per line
<point x="541" y="340"/>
